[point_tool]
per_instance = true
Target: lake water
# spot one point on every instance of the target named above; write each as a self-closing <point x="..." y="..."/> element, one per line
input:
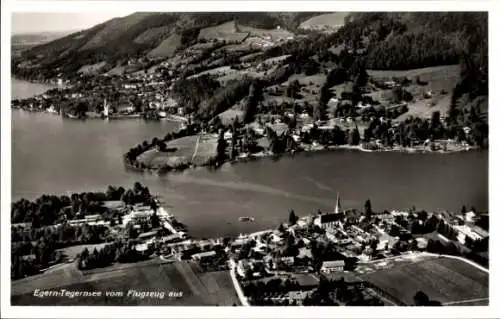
<point x="23" y="89"/>
<point x="52" y="155"/>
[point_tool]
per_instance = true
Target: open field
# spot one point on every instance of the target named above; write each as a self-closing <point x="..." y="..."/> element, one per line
<point x="151" y="35"/>
<point x="426" y="74"/>
<point x="325" y="21"/>
<point x="425" y="108"/>
<point x="92" y="68"/>
<point x="187" y="150"/>
<point x="227" y="31"/>
<point x="185" y="278"/>
<point x="438" y="78"/>
<point x="167" y="47"/>
<point x="271" y="34"/>
<point x="206" y="150"/>
<point x="62" y="274"/>
<point x="442" y="279"/>
<point x="227" y="117"/>
<point x="220" y="71"/>
<point x="438" y="81"/>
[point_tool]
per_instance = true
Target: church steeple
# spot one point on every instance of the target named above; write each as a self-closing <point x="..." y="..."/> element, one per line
<point x="337" y="206"/>
<point x="106" y="109"/>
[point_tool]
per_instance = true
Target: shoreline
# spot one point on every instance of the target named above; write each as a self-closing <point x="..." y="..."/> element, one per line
<point x="111" y="118"/>
<point x="311" y="150"/>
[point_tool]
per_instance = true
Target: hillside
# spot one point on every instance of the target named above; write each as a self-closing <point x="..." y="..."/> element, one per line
<point x="325" y="22"/>
<point x="140" y="33"/>
<point x="228" y="47"/>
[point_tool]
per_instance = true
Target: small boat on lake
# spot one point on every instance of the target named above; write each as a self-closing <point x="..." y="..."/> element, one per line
<point x="162" y="114"/>
<point x="246" y="219"/>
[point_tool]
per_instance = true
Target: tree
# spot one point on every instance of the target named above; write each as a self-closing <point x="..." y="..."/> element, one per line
<point x="374" y="245"/>
<point x="221" y="147"/>
<point x="354" y="136"/>
<point x="293" y="90"/>
<point x="162" y="147"/>
<point x="254" y="97"/>
<point x="362" y="78"/>
<point x="82" y="108"/>
<point x="319" y="111"/>
<point x="155" y="220"/>
<point x="292" y="218"/>
<point x="421" y="299"/>
<point x="131" y="231"/>
<point x="368" y="208"/>
<point x="137" y="188"/>
<point x="281" y="228"/>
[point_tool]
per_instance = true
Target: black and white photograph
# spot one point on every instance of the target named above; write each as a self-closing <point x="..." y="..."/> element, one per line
<point x="247" y="158"/>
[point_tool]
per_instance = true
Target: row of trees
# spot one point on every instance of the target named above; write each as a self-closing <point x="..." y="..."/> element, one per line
<point x="338" y="292"/>
<point x="63" y="235"/>
<point x="117" y="251"/>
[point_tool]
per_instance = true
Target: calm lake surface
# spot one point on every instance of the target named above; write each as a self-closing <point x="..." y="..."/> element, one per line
<point x="52" y="155"/>
<point x="23" y="89"/>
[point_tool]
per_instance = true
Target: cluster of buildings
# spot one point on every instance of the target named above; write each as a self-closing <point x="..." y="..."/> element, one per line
<point x="345" y="237"/>
<point x="465" y="226"/>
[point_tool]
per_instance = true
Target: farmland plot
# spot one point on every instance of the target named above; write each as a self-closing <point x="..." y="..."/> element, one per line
<point x="442" y="279"/>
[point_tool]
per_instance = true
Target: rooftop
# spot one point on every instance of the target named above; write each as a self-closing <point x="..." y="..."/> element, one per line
<point x="333" y="263"/>
<point x="113" y="204"/>
<point x="204" y="254"/>
<point x="480" y="231"/>
<point x="328" y="218"/>
<point x="148" y="234"/>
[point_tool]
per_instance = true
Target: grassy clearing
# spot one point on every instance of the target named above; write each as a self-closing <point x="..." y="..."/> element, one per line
<point x="236" y="110"/>
<point x="438" y="78"/>
<point x="117" y="70"/>
<point x="196" y="286"/>
<point x="274" y="34"/>
<point x="167" y="47"/>
<point x="426" y="74"/>
<point x="184" y="153"/>
<point x="63" y="274"/>
<point x="226" y="31"/>
<point x="151" y="35"/>
<point x="184" y="149"/>
<point x="442" y="279"/>
<point x="207" y="149"/>
<point x="325" y="21"/>
<point x="425" y="108"/>
<point x="220" y="71"/>
<point x="438" y="81"/>
<point x="92" y="68"/>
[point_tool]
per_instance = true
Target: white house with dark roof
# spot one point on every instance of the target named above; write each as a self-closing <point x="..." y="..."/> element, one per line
<point x="331" y="266"/>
